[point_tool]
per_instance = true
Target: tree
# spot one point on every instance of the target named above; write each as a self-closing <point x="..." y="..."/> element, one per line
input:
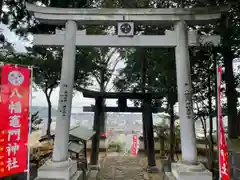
<point x="204" y="92"/>
<point x="48" y="60"/>
<point x="104" y="66"/>
<point x="160" y="71"/>
<point x="228" y="28"/>
<point x="229" y="34"/>
<point x="47" y="71"/>
<point x="161" y="129"/>
<point x="47" y="77"/>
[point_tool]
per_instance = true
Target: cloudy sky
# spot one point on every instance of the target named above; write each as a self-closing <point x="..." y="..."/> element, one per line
<point x="39" y="99"/>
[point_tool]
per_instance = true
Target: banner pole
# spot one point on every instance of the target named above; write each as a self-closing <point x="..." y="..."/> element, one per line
<point x="30" y="120"/>
<point x="218" y="118"/>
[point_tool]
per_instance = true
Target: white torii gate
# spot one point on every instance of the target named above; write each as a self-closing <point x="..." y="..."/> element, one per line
<point x="60" y="167"/>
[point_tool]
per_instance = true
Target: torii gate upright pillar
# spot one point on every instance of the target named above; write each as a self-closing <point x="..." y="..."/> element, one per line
<point x="184" y="87"/>
<point x="60" y="150"/>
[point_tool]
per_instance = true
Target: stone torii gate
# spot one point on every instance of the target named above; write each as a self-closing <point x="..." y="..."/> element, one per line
<point x="60" y="167"/>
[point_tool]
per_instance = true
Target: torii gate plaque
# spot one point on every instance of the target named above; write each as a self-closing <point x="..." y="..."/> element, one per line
<point x="60" y="167"/>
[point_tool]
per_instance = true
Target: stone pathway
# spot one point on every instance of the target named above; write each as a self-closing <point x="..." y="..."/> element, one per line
<point x="122" y="167"/>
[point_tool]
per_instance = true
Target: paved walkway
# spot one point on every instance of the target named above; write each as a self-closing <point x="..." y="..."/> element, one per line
<point x="122" y="167"/>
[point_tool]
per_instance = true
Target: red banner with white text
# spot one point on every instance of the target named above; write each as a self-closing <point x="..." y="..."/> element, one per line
<point x="134" y="145"/>
<point x="14" y="123"/>
<point x="222" y="144"/>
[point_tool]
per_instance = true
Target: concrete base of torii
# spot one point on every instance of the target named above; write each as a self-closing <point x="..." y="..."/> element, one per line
<point x="181" y="171"/>
<point x="59" y="171"/>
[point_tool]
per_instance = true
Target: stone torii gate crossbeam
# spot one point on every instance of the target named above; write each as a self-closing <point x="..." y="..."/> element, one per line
<point x="60" y="167"/>
<point x="167" y="40"/>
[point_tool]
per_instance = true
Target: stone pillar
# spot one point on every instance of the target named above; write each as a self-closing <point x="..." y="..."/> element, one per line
<point x="188" y="169"/>
<point x="61" y="167"/>
<point x="188" y="138"/>
<point x="60" y="151"/>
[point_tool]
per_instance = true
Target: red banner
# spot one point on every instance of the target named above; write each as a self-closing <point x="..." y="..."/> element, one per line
<point x="14" y="124"/>
<point x="222" y="144"/>
<point x="134" y="145"/>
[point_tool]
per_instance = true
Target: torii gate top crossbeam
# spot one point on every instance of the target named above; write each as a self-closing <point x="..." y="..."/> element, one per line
<point x="117" y="95"/>
<point x="59" y="16"/>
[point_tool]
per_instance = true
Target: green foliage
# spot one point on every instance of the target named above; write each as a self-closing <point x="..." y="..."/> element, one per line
<point x="22" y="22"/>
<point x="160" y="74"/>
<point x="104" y="65"/>
<point x="203" y="79"/>
<point x="115" y="146"/>
<point x="163" y="133"/>
<point x="149" y="69"/>
<point x="161" y="129"/>
<point x="48" y="69"/>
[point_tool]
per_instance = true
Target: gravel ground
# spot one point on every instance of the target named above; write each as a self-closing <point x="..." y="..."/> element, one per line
<point x="120" y="167"/>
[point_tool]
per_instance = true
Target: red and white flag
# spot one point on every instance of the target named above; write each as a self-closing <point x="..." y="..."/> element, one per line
<point x="134" y="145"/>
<point x="14" y="123"/>
<point x="222" y="144"/>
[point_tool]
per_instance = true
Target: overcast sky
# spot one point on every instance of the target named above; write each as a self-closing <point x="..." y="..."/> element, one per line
<point x="39" y="97"/>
